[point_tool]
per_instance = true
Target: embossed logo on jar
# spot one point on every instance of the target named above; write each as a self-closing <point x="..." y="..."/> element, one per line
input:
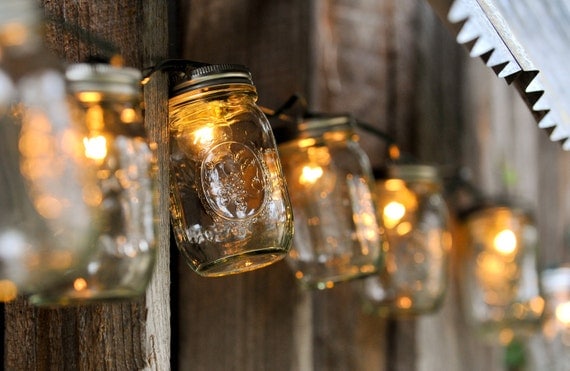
<point x="233" y="181"/>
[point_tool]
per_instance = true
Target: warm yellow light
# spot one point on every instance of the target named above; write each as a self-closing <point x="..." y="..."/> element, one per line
<point x="95" y="147"/>
<point x="92" y="195"/>
<point x="13" y="34"/>
<point x="128" y="115"/>
<point x="393" y="213"/>
<point x="8" y="291"/>
<point x="310" y="174"/>
<point x="95" y="117"/>
<point x="563" y="313"/>
<point x="394" y="152"/>
<point x="506" y="336"/>
<point x="204" y="135"/>
<point x="394" y="185"/>
<point x="48" y="206"/>
<point x="505" y="242"/>
<point x="79" y="284"/>
<point x="404" y="302"/>
<point x="89" y="96"/>
<point x="404" y="228"/>
<point x="537" y="305"/>
<point x="306" y="142"/>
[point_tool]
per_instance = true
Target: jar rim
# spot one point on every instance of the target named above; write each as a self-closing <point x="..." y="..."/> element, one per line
<point x="105" y="78"/>
<point x="314" y="124"/>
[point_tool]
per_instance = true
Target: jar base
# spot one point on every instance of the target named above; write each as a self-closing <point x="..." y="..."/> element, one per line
<point x="240" y="263"/>
<point x="316" y="283"/>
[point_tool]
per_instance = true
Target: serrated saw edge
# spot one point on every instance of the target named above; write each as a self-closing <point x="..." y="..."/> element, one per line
<point x="486" y="34"/>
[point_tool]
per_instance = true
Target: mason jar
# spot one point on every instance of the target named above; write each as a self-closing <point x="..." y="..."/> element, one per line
<point x="230" y="209"/>
<point x="46" y="226"/>
<point x="125" y="199"/>
<point x="337" y="233"/>
<point x="500" y="278"/>
<point x="416" y="223"/>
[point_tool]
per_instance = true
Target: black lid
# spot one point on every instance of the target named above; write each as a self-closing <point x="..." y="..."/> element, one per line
<point x="209" y="75"/>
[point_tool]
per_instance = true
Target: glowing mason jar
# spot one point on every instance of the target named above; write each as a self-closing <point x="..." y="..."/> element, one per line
<point x="500" y="278"/>
<point x="46" y="224"/>
<point x="230" y="208"/>
<point x="337" y="233"/>
<point x="416" y="223"/>
<point x="121" y="158"/>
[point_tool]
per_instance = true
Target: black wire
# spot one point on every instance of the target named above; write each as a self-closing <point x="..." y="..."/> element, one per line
<point x="173" y="65"/>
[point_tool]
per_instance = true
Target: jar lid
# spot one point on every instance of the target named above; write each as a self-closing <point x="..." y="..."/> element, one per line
<point x="412" y="172"/>
<point x="313" y="124"/>
<point x="209" y="75"/>
<point x="104" y="78"/>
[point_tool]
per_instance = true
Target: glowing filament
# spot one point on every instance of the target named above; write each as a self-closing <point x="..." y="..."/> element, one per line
<point x="310" y="174"/>
<point x="505" y="242"/>
<point x="89" y="96"/>
<point x="203" y="135"/>
<point x="404" y="302"/>
<point x="393" y="213"/>
<point x="79" y="284"/>
<point x="95" y="147"/>
<point x="128" y="115"/>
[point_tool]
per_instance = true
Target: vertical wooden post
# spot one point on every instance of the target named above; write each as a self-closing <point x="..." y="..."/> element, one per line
<point x="129" y="335"/>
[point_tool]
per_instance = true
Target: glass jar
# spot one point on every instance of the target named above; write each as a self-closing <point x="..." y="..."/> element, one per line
<point x="416" y="223"/>
<point x="500" y="277"/>
<point x="230" y="209"/>
<point x="46" y="226"/>
<point x="116" y="147"/>
<point x="337" y="234"/>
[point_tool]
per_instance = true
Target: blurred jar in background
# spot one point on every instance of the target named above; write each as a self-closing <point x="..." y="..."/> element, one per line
<point x="46" y="225"/>
<point x="416" y="222"/>
<point x="337" y="233"/>
<point x="500" y="279"/>
<point x="119" y="154"/>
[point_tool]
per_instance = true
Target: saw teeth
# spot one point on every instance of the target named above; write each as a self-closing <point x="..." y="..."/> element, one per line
<point x="477" y="33"/>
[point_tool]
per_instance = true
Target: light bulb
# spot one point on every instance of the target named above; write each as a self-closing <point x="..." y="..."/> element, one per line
<point x="505" y="242"/>
<point x="393" y="213"/>
<point x="310" y="174"/>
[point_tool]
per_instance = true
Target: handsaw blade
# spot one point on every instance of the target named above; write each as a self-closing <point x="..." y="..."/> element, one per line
<point x="526" y="43"/>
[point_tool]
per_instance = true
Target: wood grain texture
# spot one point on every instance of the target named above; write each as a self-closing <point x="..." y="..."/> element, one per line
<point x="129" y="335"/>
